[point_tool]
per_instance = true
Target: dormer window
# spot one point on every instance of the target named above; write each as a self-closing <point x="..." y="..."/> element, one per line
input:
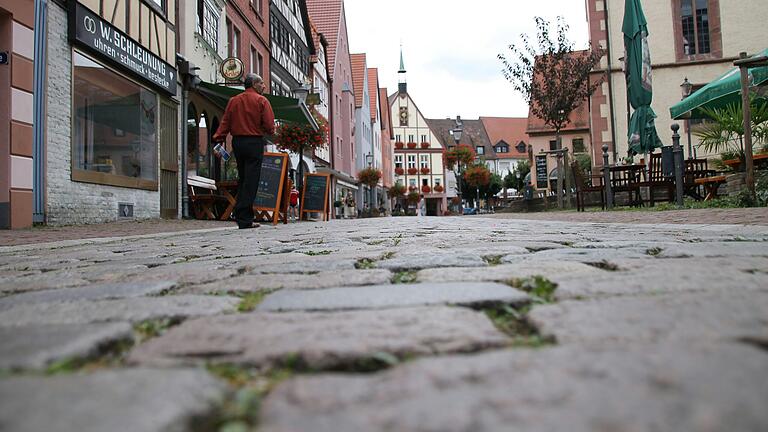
<point x="520" y="147"/>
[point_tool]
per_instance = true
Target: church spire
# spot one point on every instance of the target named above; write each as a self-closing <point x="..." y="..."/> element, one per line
<point x="402" y="63"/>
<point x="402" y="85"/>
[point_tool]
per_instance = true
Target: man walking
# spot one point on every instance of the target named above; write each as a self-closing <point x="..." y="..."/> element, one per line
<point x="248" y="117"/>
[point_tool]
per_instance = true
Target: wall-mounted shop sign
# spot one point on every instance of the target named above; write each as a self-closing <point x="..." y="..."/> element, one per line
<point x="231" y="69"/>
<point x="3" y="57"/>
<point x="91" y="31"/>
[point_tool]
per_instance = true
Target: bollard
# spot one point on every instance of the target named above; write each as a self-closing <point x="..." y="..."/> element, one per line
<point x="607" y="179"/>
<point x="677" y="155"/>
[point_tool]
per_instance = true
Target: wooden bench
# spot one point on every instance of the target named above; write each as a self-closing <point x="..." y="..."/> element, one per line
<point x="711" y="184"/>
<point x="203" y="197"/>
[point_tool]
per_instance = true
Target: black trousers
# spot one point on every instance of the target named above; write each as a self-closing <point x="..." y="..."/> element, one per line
<point x="249" y="152"/>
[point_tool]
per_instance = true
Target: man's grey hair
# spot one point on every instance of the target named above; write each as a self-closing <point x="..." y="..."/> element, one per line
<point x="251" y="79"/>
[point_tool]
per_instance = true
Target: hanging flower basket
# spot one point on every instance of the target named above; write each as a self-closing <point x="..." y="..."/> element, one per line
<point x="411" y="145"/>
<point x="425" y="145"/>
<point x="412" y="188"/>
<point x="426" y="189"/>
<point x="369" y="176"/>
<point x="399" y="144"/>
<point x="439" y="189"/>
<point x="424" y="170"/>
<point x="412" y="198"/>
<point x="412" y="171"/>
<point x="290" y="137"/>
<point x="399" y="171"/>
<point x="397" y="190"/>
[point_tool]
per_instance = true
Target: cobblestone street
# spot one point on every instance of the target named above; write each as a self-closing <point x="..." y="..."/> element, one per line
<point x="389" y="324"/>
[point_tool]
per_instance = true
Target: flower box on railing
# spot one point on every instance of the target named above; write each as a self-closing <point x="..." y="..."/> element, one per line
<point x="411" y="145"/>
<point x="399" y="171"/>
<point x="399" y="145"/>
<point x="412" y="171"/>
<point x="425" y="170"/>
<point x="425" y="145"/>
<point x="426" y="189"/>
<point x="439" y="189"/>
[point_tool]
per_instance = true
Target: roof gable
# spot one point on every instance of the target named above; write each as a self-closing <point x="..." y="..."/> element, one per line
<point x="373" y="92"/>
<point x="327" y="16"/>
<point x="507" y="129"/>
<point x="358" y="77"/>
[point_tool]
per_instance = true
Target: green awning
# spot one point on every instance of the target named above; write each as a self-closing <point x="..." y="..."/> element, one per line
<point x="723" y="91"/>
<point x="285" y="109"/>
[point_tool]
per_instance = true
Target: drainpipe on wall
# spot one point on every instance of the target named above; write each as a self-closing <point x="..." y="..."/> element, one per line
<point x="612" y="111"/>
<point x="38" y="107"/>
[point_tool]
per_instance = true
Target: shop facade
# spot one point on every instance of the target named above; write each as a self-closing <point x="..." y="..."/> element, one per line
<point x="113" y="116"/>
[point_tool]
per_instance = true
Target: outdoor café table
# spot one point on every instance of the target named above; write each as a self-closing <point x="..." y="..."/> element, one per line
<point x="760" y="160"/>
<point x="228" y="189"/>
<point x="711" y="184"/>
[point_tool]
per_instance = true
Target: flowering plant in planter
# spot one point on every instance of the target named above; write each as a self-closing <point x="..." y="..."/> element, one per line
<point x="412" y="188"/>
<point x="412" y="198"/>
<point x="397" y="190"/>
<point x="412" y="171"/>
<point x="477" y="175"/>
<point x="439" y="188"/>
<point x="462" y="154"/>
<point x="411" y="145"/>
<point x="399" y="171"/>
<point x="425" y="145"/>
<point x="424" y="170"/>
<point x="399" y="144"/>
<point x="426" y="189"/>
<point x="292" y="137"/>
<point x="369" y="176"/>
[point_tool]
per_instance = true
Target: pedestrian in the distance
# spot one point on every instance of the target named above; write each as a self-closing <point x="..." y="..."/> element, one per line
<point x="349" y="206"/>
<point x="293" y="210"/>
<point x="421" y="206"/>
<point x="249" y="118"/>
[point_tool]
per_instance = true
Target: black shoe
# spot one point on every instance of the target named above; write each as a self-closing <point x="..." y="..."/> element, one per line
<point x="248" y="226"/>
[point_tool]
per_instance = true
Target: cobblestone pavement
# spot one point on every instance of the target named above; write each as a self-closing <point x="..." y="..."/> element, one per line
<point x="391" y="324"/>
<point x="728" y="216"/>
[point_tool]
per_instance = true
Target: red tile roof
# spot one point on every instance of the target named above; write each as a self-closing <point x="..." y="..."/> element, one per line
<point x="386" y="112"/>
<point x="510" y="130"/>
<point x="327" y="16"/>
<point x="358" y="77"/>
<point x="373" y="90"/>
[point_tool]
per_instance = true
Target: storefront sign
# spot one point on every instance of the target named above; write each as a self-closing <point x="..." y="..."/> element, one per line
<point x="315" y="196"/>
<point x="541" y="171"/>
<point x="93" y="32"/>
<point x="231" y="69"/>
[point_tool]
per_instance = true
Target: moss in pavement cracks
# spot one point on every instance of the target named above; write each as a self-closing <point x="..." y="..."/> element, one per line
<point x="493" y="260"/>
<point x="655" y="251"/>
<point x="369" y="263"/>
<point x="404" y="277"/>
<point x="517" y="326"/>
<point x="249" y="301"/>
<point x="316" y="253"/>
<point x="540" y="288"/>
<point x="109" y="355"/>
<point x="152" y="328"/>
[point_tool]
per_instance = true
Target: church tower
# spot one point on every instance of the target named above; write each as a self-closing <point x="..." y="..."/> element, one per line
<point x="402" y="84"/>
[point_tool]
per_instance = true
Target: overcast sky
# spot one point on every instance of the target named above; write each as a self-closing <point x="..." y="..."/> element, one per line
<point x="450" y="48"/>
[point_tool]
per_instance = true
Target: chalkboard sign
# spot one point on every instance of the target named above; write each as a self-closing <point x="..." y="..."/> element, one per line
<point x="541" y="171"/>
<point x="314" y="198"/>
<point x="274" y="167"/>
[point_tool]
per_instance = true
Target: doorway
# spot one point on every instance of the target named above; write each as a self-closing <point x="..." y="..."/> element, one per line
<point x="169" y="161"/>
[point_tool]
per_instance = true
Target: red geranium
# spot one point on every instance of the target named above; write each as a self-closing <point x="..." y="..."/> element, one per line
<point x="399" y="171"/>
<point x="425" y="145"/>
<point x="426" y="189"/>
<point x="369" y="176"/>
<point x="411" y="145"/>
<point x="439" y="188"/>
<point x="425" y="170"/>
<point x="290" y="137"/>
<point x="399" y="144"/>
<point x="412" y="171"/>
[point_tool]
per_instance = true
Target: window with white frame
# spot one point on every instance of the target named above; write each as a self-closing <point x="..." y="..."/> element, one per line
<point x="410" y="138"/>
<point x="438" y="181"/>
<point x="424" y="161"/>
<point x="424" y="138"/>
<point x="398" y="161"/>
<point x="411" y="161"/>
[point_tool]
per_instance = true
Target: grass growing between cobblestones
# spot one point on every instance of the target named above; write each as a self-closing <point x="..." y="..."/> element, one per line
<point x="108" y="355"/>
<point x="317" y="253"/>
<point x="404" y="277"/>
<point x="654" y="252"/>
<point x="604" y="265"/>
<point x="540" y="288"/>
<point x="493" y="260"/>
<point x="249" y="301"/>
<point x="370" y="263"/>
<point x="515" y="324"/>
<point x="152" y="328"/>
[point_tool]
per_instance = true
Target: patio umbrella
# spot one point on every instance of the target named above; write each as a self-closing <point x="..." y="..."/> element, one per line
<point x="725" y="90"/>
<point x="642" y="130"/>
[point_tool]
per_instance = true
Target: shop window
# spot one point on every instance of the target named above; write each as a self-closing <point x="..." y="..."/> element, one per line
<point x="115" y="128"/>
<point x="578" y="145"/>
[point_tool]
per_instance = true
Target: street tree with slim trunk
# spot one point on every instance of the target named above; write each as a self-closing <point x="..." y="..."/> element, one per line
<point x="553" y="78"/>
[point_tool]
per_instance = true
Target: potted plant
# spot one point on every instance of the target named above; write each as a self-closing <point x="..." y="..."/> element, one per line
<point x="439" y="188"/>
<point x="412" y="171"/>
<point x="424" y="170"/>
<point x="369" y="176"/>
<point x="399" y="144"/>
<point x="426" y="189"/>
<point x="411" y="145"/>
<point x="425" y="145"/>
<point x="399" y="171"/>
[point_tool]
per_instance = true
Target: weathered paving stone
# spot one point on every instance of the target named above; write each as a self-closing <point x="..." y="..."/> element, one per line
<point x="36" y="347"/>
<point x="583" y="255"/>
<point x="390" y="296"/>
<point x="681" y="317"/>
<point x="668" y="388"/>
<point x="717" y="249"/>
<point x="90" y="292"/>
<point x="430" y="259"/>
<point x="130" y="310"/>
<point x="133" y="400"/>
<point x="504" y="272"/>
<point x="321" y="340"/>
<point x="42" y="281"/>
<point x="259" y="282"/>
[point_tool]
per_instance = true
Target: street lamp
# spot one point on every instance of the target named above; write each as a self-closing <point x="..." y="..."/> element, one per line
<point x="686" y="88"/>
<point x="301" y="93"/>
<point x="457" y="131"/>
<point x="369" y="160"/>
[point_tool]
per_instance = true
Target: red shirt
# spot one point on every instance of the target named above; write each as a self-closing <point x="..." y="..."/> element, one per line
<point x="294" y="197"/>
<point x="247" y="114"/>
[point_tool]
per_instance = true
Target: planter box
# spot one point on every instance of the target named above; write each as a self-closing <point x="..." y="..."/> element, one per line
<point x="425" y="171"/>
<point x="735" y="183"/>
<point x="412" y="171"/>
<point x="399" y="145"/>
<point x="399" y="171"/>
<point x="411" y="145"/>
<point x="425" y="145"/>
